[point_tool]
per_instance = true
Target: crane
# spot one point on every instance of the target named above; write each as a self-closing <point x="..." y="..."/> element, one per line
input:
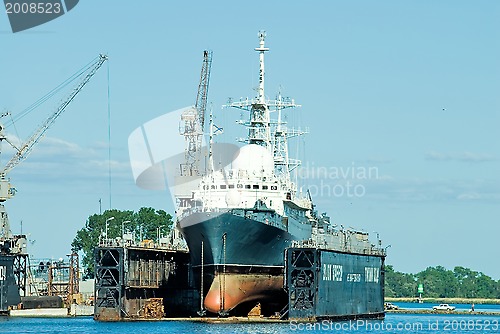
<point x="202" y="96"/>
<point x="194" y="121"/>
<point x="22" y="152"/>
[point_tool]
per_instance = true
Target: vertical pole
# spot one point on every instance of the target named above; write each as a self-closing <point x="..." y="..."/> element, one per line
<point x="202" y="312"/>
<point x="76" y="268"/>
<point x="49" y="284"/>
<point x="1" y="292"/>
<point x="223" y="275"/>
<point x="211" y="142"/>
<point x="261" y="49"/>
<point x="69" y="299"/>
<point x="109" y="141"/>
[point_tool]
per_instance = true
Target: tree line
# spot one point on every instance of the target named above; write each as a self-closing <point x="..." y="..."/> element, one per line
<point x="439" y="282"/>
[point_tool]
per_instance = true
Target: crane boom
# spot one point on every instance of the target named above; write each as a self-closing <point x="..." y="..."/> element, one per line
<point x="202" y="96"/>
<point x="194" y="121"/>
<point x="26" y="148"/>
<point x="17" y="244"/>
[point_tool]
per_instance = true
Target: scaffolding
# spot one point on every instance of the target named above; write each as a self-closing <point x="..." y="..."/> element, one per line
<point x="55" y="278"/>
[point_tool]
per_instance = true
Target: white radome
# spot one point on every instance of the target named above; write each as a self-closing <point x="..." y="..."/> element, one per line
<point x="256" y="160"/>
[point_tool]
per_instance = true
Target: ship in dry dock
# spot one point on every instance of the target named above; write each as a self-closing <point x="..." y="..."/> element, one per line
<point x="255" y="240"/>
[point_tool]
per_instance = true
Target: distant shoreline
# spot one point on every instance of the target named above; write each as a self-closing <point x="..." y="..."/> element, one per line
<point x="445" y="300"/>
<point x="420" y="311"/>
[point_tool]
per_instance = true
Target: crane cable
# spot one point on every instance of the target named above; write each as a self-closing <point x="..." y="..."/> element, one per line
<point x="15" y="129"/>
<point x="109" y="139"/>
<point x="50" y="94"/>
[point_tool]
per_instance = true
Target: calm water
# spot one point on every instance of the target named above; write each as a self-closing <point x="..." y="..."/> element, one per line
<point x="394" y="323"/>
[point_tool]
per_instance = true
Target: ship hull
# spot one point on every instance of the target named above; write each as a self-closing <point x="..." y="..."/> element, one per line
<point x="234" y="240"/>
<point x="242" y="259"/>
<point x="229" y="291"/>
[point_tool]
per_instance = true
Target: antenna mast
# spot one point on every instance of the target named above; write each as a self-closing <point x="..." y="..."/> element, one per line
<point x="261" y="131"/>
<point x="259" y="126"/>
<point x="261" y="49"/>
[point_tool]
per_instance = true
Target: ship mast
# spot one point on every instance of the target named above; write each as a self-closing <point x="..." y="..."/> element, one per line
<point x="261" y="49"/>
<point x="263" y="132"/>
<point x="283" y="165"/>
<point x="260" y="132"/>
<point x="259" y="126"/>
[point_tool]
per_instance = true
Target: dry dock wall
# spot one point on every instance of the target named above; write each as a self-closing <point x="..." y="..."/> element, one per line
<point x="9" y="291"/>
<point x="332" y="284"/>
<point x="138" y="282"/>
<point x="141" y="283"/>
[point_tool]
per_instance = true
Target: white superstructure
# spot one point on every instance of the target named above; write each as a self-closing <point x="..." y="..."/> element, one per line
<point x="260" y="170"/>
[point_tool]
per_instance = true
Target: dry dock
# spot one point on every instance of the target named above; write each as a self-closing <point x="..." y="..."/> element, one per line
<point x="156" y="283"/>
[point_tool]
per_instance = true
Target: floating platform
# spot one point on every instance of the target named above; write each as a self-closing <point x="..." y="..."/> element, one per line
<point x="143" y="282"/>
<point x="148" y="283"/>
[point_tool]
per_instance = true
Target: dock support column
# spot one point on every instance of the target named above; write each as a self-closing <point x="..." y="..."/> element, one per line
<point x="109" y="284"/>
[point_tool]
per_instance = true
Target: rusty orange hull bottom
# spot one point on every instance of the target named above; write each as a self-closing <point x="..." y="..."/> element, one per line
<point x="230" y="290"/>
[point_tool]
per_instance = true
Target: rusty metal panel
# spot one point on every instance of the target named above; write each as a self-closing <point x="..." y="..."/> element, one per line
<point x="143" y="283"/>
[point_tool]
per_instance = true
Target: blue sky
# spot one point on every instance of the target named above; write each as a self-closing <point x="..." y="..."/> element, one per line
<point x="411" y="88"/>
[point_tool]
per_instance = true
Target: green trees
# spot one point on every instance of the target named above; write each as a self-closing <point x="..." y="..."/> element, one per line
<point x="476" y="285"/>
<point x="399" y="284"/>
<point x="441" y="283"/>
<point x="438" y="282"/>
<point x="143" y="223"/>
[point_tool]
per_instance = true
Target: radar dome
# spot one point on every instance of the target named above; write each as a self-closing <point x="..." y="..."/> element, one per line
<point x="254" y="159"/>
